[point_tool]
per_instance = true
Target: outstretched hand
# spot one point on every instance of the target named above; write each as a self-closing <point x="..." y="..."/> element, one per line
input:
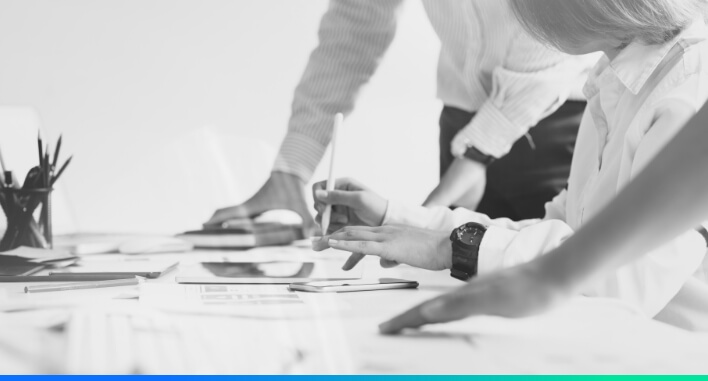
<point x="518" y="291"/>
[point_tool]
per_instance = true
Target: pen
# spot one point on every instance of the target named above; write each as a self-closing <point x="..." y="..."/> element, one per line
<point x="338" y="120"/>
<point x="84" y="285"/>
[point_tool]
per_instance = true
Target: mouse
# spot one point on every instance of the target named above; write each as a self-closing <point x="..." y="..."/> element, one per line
<point x="154" y="245"/>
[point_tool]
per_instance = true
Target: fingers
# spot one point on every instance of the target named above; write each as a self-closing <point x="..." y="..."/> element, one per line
<point x="387" y="263"/>
<point x="231" y="213"/>
<point x="357" y="233"/>
<point x="412" y="318"/>
<point x="351" y="199"/>
<point x="455" y="305"/>
<point x="363" y="247"/>
<point x="344" y="233"/>
<point x="320" y="243"/>
<point x="352" y="261"/>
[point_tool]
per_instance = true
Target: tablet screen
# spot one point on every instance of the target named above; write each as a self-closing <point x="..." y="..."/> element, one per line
<point x="260" y="269"/>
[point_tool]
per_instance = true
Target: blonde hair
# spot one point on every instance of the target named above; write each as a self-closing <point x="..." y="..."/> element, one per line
<point x="556" y="22"/>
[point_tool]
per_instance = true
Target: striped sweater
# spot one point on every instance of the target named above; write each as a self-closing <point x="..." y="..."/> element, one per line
<point x="487" y="65"/>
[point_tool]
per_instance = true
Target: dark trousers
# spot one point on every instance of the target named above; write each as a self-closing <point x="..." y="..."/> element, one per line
<point x="532" y="173"/>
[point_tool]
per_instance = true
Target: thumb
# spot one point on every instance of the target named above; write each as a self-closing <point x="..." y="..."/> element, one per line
<point x="338" y="197"/>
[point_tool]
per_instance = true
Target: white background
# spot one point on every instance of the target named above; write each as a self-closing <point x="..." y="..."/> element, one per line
<point x="174" y="107"/>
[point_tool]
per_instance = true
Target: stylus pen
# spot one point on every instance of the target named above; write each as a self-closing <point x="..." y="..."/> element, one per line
<point x="338" y="120"/>
<point x="83" y="285"/>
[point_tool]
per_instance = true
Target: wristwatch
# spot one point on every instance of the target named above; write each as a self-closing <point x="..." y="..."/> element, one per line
<point x="465" y="250"/>
<point x="474" y="154"/>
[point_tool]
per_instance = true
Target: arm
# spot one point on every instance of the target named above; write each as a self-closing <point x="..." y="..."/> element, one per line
<point x="353" y="37"/>
<point x="649" y="283"/>
<point x="533" y="81"/>
<point x="442" y="218"/>
<point x="666" y="196"/>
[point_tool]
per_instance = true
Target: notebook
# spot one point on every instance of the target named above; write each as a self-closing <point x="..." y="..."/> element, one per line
<point x="245" y="236"/>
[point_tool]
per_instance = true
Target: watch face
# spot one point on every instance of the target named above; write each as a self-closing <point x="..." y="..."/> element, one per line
<point x="466" y="233"/>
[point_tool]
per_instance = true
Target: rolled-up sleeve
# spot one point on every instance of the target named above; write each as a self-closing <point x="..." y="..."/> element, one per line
<point x="353" y="36"/>
<point x="531" y="84"/>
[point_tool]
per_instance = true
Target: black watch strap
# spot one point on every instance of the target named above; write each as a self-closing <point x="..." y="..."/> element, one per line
<point x="474" y="154"/>
<point x="464" y="262"/>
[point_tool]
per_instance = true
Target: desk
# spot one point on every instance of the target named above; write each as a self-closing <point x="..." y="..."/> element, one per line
<point x="339" y="334"/>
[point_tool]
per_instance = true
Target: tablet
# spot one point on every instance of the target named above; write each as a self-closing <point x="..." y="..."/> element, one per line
<point x="273" y="272"/>
<point x="353" y="285"/>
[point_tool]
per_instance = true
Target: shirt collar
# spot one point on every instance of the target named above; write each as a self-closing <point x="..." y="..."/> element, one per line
<point x="634" y="64"/>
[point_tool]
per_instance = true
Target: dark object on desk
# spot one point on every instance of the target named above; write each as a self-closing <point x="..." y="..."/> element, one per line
<point x="62" y="278"/>
<point x="259" y="234"/>
<point x="21" y="269"/>
<point x="353" y="285"/>
<point x="260" y="269"/>
<point x="273" y="272"/>
<point x="20" y="203"/>
<point x="26" y="261"/>
<point x="145" y="269"/>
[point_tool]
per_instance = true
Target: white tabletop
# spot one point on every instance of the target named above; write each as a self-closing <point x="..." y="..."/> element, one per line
<point x="337" y="333"/>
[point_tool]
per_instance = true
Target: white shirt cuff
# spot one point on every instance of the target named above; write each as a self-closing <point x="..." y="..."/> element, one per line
<point x="490" y="132"/>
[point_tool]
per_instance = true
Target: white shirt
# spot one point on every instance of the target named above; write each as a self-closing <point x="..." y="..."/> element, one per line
<point x="487" y="64"/>
<point x="612" y="147"/>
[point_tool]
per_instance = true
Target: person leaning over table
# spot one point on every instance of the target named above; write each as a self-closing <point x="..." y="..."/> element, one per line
<point x="668" y="198"/>
<point x="653" y="77"/>
<point x="495" y="82"/>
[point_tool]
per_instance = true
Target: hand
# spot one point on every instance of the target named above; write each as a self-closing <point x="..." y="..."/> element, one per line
<point x="427" y="249"/>
<point x="281" y="191"/>
<point x="462" y="185"/>
<point x="352" y="204"/>
<point x="519" y="291"/>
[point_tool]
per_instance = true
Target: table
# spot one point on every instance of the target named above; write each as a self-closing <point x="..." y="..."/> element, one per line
<point x="338" y="333"/>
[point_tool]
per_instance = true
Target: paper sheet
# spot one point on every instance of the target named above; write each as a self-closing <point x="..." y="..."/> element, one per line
<point x="265" y="301"/>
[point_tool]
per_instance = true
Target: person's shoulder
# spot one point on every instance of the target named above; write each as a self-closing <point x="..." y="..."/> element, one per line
<point x="686" y="82"/>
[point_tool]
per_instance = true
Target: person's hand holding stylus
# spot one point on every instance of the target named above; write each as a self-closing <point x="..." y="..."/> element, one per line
<point x="352" y="204"/>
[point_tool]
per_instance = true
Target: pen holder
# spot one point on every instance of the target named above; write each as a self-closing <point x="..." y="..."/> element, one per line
<point x="23" y="229"/>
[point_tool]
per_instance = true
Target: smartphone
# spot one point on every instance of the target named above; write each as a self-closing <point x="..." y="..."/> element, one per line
<point x="353" y="285"/>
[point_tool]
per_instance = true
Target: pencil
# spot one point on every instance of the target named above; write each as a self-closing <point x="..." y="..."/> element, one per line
<point x="61" y="170"/>
<point x="46" y="168"/>
<point x="56" y="152"/>
<point x="39" y="147"/>
<point x="2" y="163"/>
<point x="338" y="120"/>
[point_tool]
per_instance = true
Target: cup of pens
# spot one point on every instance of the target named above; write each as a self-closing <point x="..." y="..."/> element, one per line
<point x="28" y="206"/>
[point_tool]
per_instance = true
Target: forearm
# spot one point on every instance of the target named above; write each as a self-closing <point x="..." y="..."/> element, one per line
<point x="353" y="37"/>
<point x="532" y="84"/>
<point x="442" y="218"/>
